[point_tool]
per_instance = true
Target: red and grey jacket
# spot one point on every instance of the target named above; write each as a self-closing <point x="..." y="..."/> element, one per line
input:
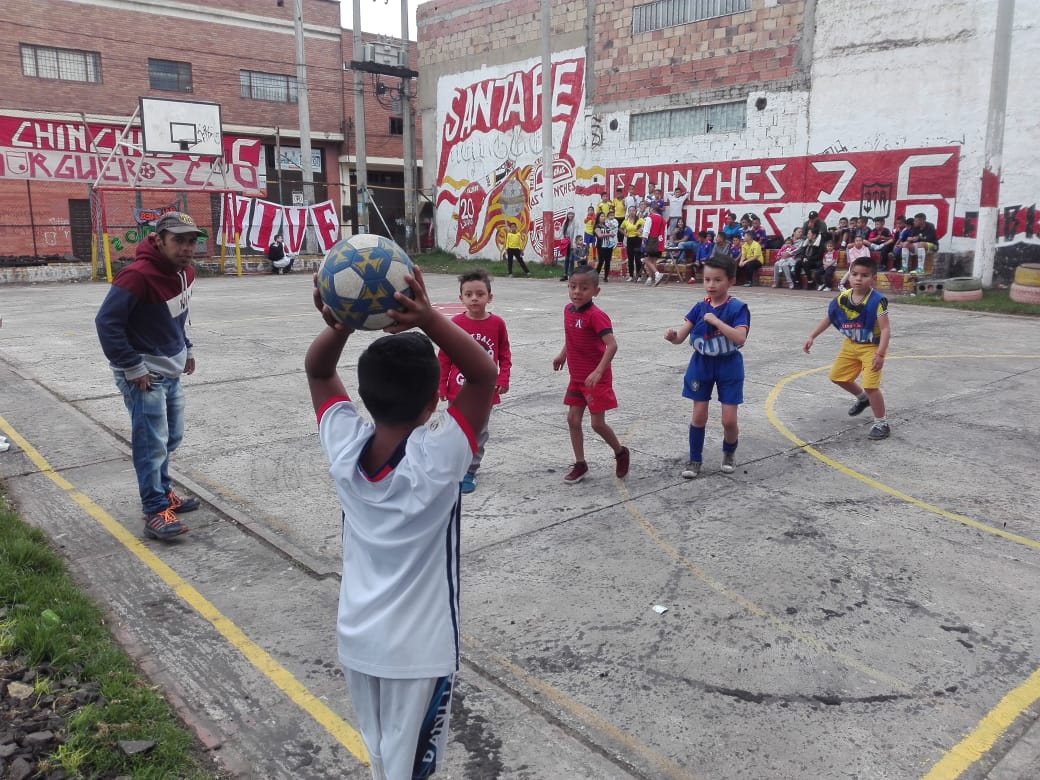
<point x="141" y="323"/>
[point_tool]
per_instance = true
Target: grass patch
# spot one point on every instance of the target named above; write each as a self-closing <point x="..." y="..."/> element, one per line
<point x="45" y="619"/>
<point x="439" y="262"/>
<point x="996" y="301"/>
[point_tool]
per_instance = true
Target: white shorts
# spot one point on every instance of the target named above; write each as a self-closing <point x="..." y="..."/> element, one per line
<point x="404" y="723"/>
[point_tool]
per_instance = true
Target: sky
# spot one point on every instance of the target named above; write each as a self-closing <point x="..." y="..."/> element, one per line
<point x="380" y="16"/>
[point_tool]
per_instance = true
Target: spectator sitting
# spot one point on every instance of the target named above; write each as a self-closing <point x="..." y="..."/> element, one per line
<point x="705" y="248"/>
<point x="735" y="247"/>
<point x="879" y="239"/>
<point x="787" y="257"/>
<point x="731" y="229"/>
<point x="810" y="260"/>
<point x="750" y="259"/>
<point x="920" y="240"/>
<point x="841" y="235"/>
<point x="824" y="275"/>
<point x="281" y="260"/>
<point x="682" y="237"/>
<point x="861" y="229"/>
<point x="903" y="228"/>
<point x="722" y="246"/>
<point x="857" y="251"/>
<point x="759" y="232"/>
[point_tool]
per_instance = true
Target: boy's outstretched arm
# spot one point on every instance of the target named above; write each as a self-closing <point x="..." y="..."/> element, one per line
<point x="320" y="365"/>
<point x="471" y="359"/>
<point x="323" y="356"/>
<point x="821" y="326"/>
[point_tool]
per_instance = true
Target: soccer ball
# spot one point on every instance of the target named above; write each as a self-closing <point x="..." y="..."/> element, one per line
<point x="358" y="278"/>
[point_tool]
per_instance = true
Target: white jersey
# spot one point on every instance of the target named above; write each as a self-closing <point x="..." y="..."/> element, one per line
<point x="399" y="598"/>
<point x="675" y="206"/>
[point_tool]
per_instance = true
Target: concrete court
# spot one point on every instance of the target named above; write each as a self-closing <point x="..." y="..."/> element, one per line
<point x="818" y="626"/>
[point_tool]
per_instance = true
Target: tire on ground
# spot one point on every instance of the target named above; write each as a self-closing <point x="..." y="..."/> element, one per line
<point x="962" y="283"/>
<point x="1020" y="293"/>
<point x="1028" y="275"/>
<point x="962" y="295"/>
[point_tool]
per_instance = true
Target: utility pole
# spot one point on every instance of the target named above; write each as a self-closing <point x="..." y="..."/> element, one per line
<point x="989" y="196"/>
<point x="361" y="162"/>
<point x="408" y="120"/>
<point x="303" y="104"/>
<point x="548" y="233"/>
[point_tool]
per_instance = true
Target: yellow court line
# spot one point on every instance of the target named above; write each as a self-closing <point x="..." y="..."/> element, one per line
<point x="752" y="607"/>
<point x="805" y="446"/>
<point x="664" y="767"/>
<point x="998" y="720"/>
<point x="257" y="656"/>
<point x="979" y="742"/>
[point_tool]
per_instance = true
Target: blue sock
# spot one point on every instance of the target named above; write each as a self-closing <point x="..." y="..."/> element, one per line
<point x="696" y="443"/>
<point x="727" y="447"/>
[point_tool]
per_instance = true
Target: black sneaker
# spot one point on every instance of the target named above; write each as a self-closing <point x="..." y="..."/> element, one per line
<point x="181" y="505"/>
<point x="693" y="468"/>
<point x="163" y="525"/>
<point x="859" y="406"/>
<point x="878" y="431"/>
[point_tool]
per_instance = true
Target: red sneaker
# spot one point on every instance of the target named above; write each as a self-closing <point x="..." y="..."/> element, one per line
<point x="577" y="473"/>
<point x="622" y="459"/>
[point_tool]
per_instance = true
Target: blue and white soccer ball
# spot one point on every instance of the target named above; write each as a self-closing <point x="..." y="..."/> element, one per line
<point x="358" y="278"/>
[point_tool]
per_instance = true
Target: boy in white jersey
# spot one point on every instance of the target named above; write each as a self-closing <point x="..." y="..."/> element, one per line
<point x="398" y="483"/>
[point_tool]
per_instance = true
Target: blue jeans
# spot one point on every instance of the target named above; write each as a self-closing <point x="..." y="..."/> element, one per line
<point x="156" y="429"/>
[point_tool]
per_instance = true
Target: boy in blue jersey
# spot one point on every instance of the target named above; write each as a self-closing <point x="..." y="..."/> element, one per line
<point x="861" y="315"/>
<point x="717" y="328"/>
<point x="398" y="484"/>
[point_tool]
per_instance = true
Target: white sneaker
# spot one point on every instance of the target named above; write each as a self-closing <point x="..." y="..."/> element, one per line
<point x="819" y="288"/>
<point x="658" y="278"/>
<point x="4" y="446"/>
<point x="649" y="281"/>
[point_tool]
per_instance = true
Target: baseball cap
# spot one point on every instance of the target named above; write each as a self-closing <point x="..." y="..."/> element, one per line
<point x="176" y="222"/>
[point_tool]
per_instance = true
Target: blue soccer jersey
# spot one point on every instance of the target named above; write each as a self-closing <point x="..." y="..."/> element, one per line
<point x="716" y="359"/>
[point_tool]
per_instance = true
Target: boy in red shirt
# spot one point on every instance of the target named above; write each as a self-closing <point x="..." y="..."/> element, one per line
<point x="488" y="330"/>
<point x="589" y="347"/>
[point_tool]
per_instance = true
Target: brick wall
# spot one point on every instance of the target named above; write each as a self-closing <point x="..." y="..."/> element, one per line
<point x="217" y="49"/>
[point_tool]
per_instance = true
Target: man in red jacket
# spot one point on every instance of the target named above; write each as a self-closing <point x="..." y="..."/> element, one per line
<point x="141" y="326"/>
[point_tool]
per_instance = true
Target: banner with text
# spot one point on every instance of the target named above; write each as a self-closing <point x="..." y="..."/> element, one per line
<point x="256" y="222"/>
<point x="66" y="151"/>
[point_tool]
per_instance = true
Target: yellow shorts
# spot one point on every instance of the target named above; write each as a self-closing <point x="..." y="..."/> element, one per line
<point x="854" y="359"/>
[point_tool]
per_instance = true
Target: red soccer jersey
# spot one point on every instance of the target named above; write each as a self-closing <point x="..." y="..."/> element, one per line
<point x="584" y="330"/>
<point x="492" y="336"/>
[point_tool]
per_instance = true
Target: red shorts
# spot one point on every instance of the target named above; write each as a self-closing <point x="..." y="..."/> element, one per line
<point x="600" y="398"/>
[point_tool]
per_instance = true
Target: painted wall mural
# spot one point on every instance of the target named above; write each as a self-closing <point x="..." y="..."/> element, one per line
<point x="490" y="168"/>
<point x="256" y="222"/>
<point x="782" y="191"/>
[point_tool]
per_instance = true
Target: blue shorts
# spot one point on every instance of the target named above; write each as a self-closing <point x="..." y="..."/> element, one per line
<point x="726" y="373"/>
<point x="590" y="239"/>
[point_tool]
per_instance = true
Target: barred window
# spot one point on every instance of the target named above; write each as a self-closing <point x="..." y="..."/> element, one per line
<point x="671" y="13"/>
<point x="695" y="120"/>
<point x="169" y="75"/>
<point x="268" y="86"/>
<point x="44" y="62"/>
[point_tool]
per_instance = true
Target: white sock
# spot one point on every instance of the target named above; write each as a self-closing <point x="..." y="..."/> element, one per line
<point x="880" y="420"/>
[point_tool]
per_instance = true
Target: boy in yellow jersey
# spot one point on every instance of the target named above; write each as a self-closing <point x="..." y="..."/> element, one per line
<point x="861" y="315"/>
<point x="514" y="249"/>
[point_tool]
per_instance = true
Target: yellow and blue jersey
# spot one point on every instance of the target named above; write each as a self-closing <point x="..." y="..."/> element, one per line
<point x="858" y="323"/>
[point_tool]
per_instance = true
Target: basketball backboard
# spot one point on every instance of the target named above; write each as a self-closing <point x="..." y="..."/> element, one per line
<point x="181" y="127"/>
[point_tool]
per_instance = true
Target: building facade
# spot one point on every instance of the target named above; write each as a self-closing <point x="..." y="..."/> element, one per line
<point x="760" y="107"/>
<point x="74" y="72"/>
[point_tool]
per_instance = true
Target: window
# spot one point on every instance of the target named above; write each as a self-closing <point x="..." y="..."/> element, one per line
<point x="396" y="125"/>
<point x="696" y="120"/>
<point x="169" y="76"/>
<point x="268" y="86"/>
<point x="671" y="13"/>
<point x="43" y="62"/>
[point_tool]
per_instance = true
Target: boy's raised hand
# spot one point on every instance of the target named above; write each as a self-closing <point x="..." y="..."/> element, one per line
<point x="414" y="311"/>
<point x="326" y="312"/>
